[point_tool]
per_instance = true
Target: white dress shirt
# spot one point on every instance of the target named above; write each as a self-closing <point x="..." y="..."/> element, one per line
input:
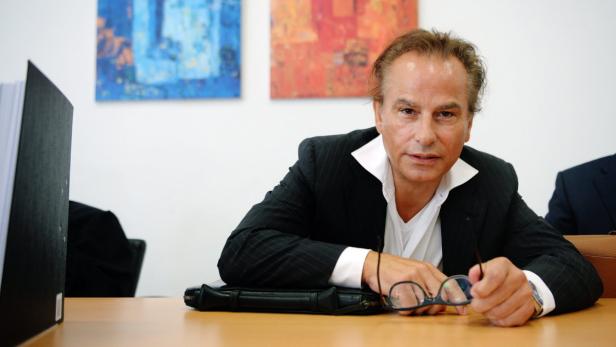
<point x="420" y="237"/>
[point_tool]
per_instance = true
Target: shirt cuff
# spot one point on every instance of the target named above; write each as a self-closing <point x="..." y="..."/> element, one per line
<point x="544" y="292"/>
<point x="349" y="268"/>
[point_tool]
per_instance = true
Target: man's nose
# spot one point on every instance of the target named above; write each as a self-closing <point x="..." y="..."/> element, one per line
<point x="425" y="134"/>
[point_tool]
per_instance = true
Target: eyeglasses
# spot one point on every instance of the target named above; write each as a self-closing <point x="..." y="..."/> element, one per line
<point x="410" y="295"/>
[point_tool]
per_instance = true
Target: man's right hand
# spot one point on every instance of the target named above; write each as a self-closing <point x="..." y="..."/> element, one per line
<point x="395" y="269"/>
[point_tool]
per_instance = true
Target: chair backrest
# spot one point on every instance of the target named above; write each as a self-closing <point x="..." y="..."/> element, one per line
<point x="138" y="247"/>
<point x="101" y="261"/>
<point x="600" y="250"/>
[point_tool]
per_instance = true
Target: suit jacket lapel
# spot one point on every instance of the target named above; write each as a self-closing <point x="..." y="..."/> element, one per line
<point x="366" y="207"/>
<point x="462" y="217"/>
<point x="605" y="184"/>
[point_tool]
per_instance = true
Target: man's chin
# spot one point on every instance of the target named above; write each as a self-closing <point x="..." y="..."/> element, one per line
<point x="423" y="177"/>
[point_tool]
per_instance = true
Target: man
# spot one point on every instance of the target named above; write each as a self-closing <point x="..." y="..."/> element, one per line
<point x="584" y="200"/>
<point x="412" y="183"/>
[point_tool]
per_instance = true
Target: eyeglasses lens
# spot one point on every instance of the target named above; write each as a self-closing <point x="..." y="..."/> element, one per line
<point x="456" y="291"/>
<point x="405" y="295"/>
<point x="409" y="295"/>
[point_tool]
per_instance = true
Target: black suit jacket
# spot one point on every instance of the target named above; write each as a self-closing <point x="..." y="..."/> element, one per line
<point x="327" y="201"/>
<point x="584" y="201"/>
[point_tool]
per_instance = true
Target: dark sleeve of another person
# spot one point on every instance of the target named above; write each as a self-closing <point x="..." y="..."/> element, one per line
<point x="560" y="214"/>
<point x="271" y="247"/>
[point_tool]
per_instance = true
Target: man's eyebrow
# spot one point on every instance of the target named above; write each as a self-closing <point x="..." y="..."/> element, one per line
<point x="406" y="102"/>
<point x="449" y="106"/>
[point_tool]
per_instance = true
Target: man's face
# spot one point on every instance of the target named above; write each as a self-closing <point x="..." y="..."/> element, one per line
<point x="424" y="116"/>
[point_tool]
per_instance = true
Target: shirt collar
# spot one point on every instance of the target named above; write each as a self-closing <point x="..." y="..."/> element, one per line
<point x="373" y="157"/>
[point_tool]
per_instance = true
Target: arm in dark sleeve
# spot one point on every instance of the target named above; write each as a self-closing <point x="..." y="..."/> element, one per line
<point x="272" y="246"/>
<point x="560" y="215"/>
<point x="535" y="245"/>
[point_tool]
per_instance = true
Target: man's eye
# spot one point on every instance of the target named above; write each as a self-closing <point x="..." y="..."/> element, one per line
<point x="407" y="111"/>
<point x="445" y="114"/>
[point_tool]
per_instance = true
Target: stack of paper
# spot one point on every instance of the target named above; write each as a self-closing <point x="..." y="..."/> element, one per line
<point x="11" y="106"/>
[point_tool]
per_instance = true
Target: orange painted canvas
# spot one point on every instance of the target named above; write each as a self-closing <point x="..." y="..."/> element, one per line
<point x="325" y="48"/>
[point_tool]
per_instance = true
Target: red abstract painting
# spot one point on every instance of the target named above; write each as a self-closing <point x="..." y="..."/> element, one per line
<point x="325" y="48"/>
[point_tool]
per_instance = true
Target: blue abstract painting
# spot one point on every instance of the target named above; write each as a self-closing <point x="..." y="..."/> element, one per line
<point x="168" y="49"/>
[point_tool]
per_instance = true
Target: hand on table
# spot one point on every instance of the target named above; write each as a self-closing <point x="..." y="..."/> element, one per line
<point x="395" y="269"/>
<point x="504" y="295"/>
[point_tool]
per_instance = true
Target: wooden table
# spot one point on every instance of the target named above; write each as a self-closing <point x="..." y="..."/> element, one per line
<point x="167" y="322"/>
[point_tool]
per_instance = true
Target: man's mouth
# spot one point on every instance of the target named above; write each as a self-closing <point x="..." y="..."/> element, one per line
<point x="424" y="158"/>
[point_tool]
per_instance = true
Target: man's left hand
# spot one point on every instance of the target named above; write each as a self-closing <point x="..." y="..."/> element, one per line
<point x="504" y="295"/>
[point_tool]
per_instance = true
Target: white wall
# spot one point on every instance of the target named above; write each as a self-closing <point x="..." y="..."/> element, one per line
<point x="181" y="174"/>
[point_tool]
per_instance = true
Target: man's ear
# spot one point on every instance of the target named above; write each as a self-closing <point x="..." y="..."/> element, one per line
<point x="378" y="119"/>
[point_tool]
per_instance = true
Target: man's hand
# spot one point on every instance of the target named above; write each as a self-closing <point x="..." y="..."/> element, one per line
<point x="396" y="269"/>
<point x="504" y="295"/>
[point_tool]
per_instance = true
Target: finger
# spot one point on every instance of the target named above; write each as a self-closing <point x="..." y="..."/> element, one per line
<point x="432" y="279"/>
<point x="451" y="291"/>
<point x="422" y="298"/>
<point x="437" y="289"/>
<point x="394" y="269"/>
<point x="434" y="309"/>
<point x="437" y="273"/>
<point x="474" y="273"/>
<point x="405" y="313"/>
<point x="520" y="316"/>
<point x="507" y="287"/>
<point x="406" y="295"/>
<point x="429" y="310"/>
<point x="422" y="310"/>
<point x="483" y="305"/>
<point x="520" y="297"/>
<point x="494" y="277"/>
<point x="462" y="310"/>
<point x="411" y="295"/>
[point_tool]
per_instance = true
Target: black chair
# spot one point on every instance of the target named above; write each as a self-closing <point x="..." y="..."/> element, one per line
<point x="139" y="247"/>
<point x="100" y="261"/>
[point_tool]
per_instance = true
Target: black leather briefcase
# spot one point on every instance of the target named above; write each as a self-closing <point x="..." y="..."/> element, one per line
<point x="332" y="300"/>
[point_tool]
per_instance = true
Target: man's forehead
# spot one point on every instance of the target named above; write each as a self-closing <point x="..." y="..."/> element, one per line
<point x="414" y="77"/>
<point x="424" y="67"/>
<point x="433" y="63"/>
